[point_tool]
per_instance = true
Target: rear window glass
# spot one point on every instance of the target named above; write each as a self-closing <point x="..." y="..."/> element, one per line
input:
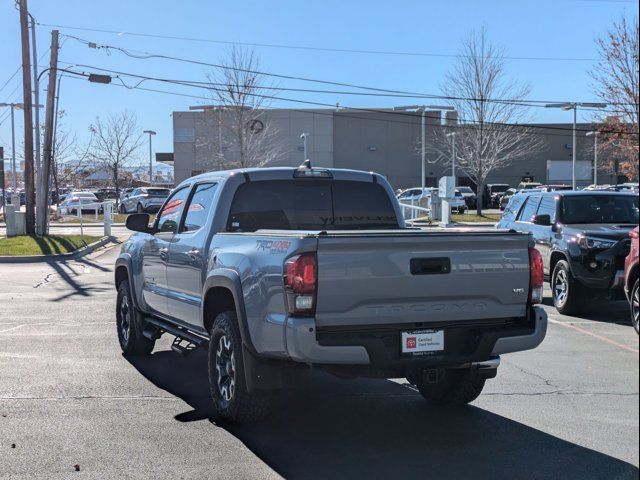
<point x="311" y="205"/>
<point x="158" y="192"/>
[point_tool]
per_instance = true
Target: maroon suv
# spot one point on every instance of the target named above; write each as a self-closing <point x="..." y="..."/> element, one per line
<point x="631" y="278"/>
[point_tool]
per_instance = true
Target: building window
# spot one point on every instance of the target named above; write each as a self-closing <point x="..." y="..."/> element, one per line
<point x="184" y="135"/>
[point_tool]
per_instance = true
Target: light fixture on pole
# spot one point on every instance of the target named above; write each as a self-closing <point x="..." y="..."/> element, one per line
<point x="574" y="106"/>
<point x="151" y="133"/>
<point x="304" y="136"/>
<point x="13" y="143"/>
<point x="422" y="110"/>
<point x="595" y="134"/>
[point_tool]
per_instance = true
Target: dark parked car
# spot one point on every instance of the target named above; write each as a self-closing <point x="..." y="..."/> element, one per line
<point x="631" y="278"/>
<point x="492" y="194"/>
<point x="469" y="196"/>
<point x="583" y="237"/>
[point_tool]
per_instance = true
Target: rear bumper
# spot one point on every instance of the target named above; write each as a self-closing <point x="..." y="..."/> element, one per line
<point x="379" y="348"/>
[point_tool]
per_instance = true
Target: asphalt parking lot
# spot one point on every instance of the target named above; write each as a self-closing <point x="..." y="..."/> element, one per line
<point x="69" y="398"/>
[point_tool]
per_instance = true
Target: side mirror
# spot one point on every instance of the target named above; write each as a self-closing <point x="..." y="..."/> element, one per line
<point x="544" y="220"/>
<point x="139" y="222"/>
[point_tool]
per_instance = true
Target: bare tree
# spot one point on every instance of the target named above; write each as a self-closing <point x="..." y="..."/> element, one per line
<point x="616" y="81"/>
<point x="490" y="134"/>
<point x="239" y="129"/>
<point x="114" y="145"/>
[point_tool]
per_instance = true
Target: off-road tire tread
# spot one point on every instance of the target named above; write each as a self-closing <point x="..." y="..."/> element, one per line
<point x="244" y="407"/>
<point x="137" y="344"/>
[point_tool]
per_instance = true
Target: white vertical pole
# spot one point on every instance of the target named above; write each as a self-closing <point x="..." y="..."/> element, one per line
<point x="13" y="153"/>
<point x="422" y="150"/>
<point x="595" y="159"/>
<point x="453" y="160"/>
<point x="574" y="147"/>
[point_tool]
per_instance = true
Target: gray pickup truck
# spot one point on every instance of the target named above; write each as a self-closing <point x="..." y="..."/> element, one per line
<point x="277" y="268"/>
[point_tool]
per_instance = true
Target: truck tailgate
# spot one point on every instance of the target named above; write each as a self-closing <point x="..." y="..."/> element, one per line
<point x="410" y="277"/>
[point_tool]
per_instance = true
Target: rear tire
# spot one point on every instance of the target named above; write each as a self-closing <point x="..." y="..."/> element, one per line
<point x="458" y="387"/>
<point x="634" y="304"/>
<point x="129" y="324"/>
<point x="567" y="292"/>
<point x="122" y="209"/>
<point x="227" y="376"/>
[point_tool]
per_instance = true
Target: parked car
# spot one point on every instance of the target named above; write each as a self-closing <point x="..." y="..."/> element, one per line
<point x="631" y="274"/>
<point x="284" y="266"/>
<point x="144" y="199"/>
<point x="458" y="203"/>
<point x="492" y="194"/>
<point x="87" y="202"/>
<point x="529" y="185"/>
<point x="125" y="192"/>
<point x="414" y="194"/>
<point x="469" y="195"/>
<point x="554" y="188"/>
<point x="506" y="197"/>
<point x="583" y="237"/>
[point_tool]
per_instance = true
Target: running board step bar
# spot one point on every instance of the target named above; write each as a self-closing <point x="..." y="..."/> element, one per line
<point x="182" y="334"/>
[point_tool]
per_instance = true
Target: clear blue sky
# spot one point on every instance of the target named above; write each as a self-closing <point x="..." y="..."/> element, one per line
<point x="525" y="28"/>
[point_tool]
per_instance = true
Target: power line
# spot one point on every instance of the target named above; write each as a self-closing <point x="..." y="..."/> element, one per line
<point x="324" y="105"/>
<point x="147" y="55"/>
<point x="305" y="48"/>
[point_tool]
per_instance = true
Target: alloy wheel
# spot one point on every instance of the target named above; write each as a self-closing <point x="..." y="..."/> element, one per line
<point x="561" y="287"/>
<point x="225" y="368"/>
<point x="125" y="318"/>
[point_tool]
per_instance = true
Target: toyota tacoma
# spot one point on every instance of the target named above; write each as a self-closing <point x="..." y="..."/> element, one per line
<point x="277" y="268"/>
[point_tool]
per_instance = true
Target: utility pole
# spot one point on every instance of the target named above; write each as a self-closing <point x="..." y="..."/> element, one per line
<point x="36" y="101"/>
<point x="43" y="199"/>
<point x="28" y="121"/>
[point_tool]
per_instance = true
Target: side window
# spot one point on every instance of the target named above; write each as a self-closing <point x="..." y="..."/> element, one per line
<point x="548" y="207"/>
<point x="169" y="216"/>
<point x="529" y="209"/>
<point x="199" y="207"/>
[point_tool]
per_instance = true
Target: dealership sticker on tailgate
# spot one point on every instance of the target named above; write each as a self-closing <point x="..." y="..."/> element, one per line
<point x="422" y="341"/>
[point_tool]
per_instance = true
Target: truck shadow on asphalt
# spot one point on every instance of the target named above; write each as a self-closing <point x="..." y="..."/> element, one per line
<point x="325" y="427"/>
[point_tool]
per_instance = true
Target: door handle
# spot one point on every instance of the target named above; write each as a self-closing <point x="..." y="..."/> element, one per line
<point x="194" y="253"/>
<point x="163" y="252"/>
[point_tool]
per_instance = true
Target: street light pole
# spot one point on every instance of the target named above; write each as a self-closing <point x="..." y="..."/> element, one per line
<point x="574" y="106"/>
<point x="453" y="156"/>
<point x="12" y="106"/>
<point x="151" y="133"/>
<point x="422" y="109"/>
<point x="595" y="134"/>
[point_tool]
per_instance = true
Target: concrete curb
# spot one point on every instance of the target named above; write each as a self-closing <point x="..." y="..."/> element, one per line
<point x="81" y="252"/>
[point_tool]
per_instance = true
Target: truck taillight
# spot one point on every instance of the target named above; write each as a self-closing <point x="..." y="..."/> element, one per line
<point x="300" y="284"/>
<point x="536" y="276"/>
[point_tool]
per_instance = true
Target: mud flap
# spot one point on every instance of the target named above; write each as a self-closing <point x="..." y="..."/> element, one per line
<point x="261" y="375"/>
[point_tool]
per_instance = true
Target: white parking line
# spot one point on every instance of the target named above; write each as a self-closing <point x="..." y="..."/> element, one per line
<point x="12" y="328"/>
<point x="594" y="335"/>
